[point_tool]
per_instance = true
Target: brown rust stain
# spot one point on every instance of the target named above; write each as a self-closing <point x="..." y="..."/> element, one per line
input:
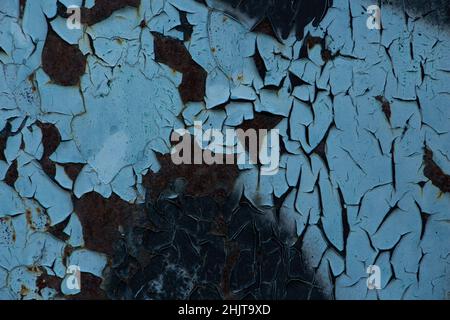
<point x="73" y="170"/>
<point x="50" y="140"/>
<point x="32" y="80"/>
<point x="433" y="172"/>
<point x="326" y="55"/>
<point x="29" y="218"/>
<point x="310" y="42"/>
<point x="232" y="250"/>
<point x="385" y="106"/>
<point x="63" y="63"/>
<point x="47" y="281"/>
<point x="101" y="219"/>
<point x="90" y="286"/>
<point x="215" y="180"/>
<point x="174" y="54"/>
<point x="58" y="230"/>
<point x="24" y="290"/>
<point x="265" y="27"/>
<point x="22" y="4"/>
<point x="68" y="249"/>
<point x="9" y="227"/>
<point x="12" y="174"/>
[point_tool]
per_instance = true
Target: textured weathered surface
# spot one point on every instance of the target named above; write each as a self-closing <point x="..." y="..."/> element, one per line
<point x="86" y="177"/>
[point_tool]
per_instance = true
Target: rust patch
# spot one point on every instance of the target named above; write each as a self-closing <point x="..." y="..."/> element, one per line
<point x="12" y="174"/>
<point x="433" y="172"/>
<point x="326" y="55"/>
<point x="32" y="80"/>
<point x="90" y="288"/>
<point x="68" y="249"/>
<point x="22" y="4"/>
<point x="29" y="218"/>
<point x="48" y="281"/>
<point x="385" y="106"/>
<point x="101" y="219"/>
<point x="105" y="8"/>
<point x="24" y="290"/>
<point x="58" y="230"/>
<point x="173" y="53"/>
<point x="50" y="140"/>
<point x="73" y="170"/>
<point x="310" y="42"/>
<point x="216" y="180"/>
<point x="63" y="63"/>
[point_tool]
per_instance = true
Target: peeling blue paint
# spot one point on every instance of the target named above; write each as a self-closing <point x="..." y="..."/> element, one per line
<point x="351" y="173"/>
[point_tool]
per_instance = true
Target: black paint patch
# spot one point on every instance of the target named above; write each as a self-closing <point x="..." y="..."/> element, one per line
<point x="185" y="26"/>
<point x="436" y="12"/>
<point x="284" y="15"/>
<point x="196" y="248"/>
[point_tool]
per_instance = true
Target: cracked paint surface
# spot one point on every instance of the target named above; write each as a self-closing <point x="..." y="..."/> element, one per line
<point x="86" y="179"/>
